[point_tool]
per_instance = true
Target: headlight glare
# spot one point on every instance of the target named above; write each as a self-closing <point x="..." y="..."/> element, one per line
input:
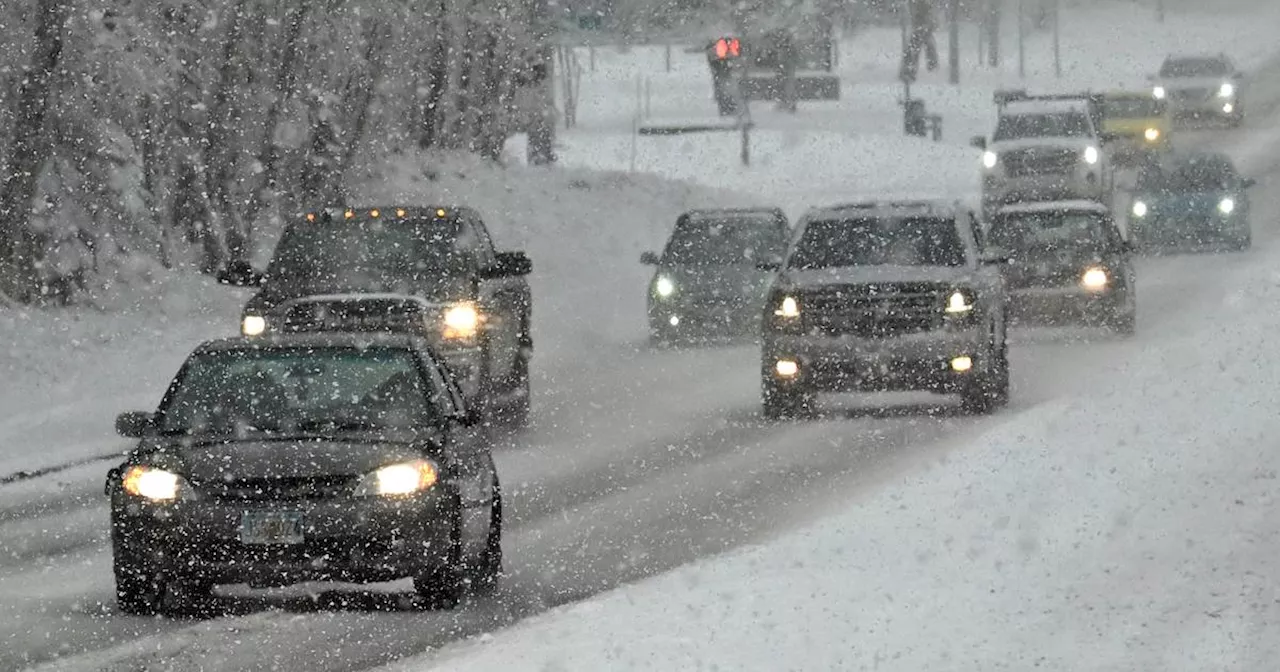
<point x="664" y="287"/>
<point x="959" y="303"/>
<point x="399" y="480"/>
<point x="1158" y="92"/>
<point x="1140" y="209"/>
<point x="253" y="325"/>
<point x="1151" y="134"/>
<point x="1094" y="279"/>
<point x="1090" y="155"/>
<point x="789" y="307"/>
<point x="157" y="485"/>
<point x="1226" y="90"/>
<point x="461" y="321"/>
<point x="1226" y="206"/>
<point x="990" y="159"/>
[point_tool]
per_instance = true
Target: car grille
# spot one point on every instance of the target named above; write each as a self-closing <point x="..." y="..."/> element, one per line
<point x="1028" y="162"/>
<point x="279" y="489"/>
<point x="1192" y="95"/>
<point x="360" y="315"/>
<point x="875" y="310"/>
<point x="339" y="549"/>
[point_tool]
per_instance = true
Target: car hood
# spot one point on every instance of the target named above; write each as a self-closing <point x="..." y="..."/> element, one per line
<point x="1044" y="142"/>
<point x="714" y="280"/>
<point x="236" y="460"/>
<point x="857" y="275"/>
<point x="443" y="289"/>
<point x="1193" y="82"/>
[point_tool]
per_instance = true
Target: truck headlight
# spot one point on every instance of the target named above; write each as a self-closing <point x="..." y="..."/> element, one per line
<point x="1091" y="155"/>
<point x="1139" y="209"/>
<point x="399" y="480"/>
<point x="788" y="307"/>
<point x="664" y="287"/>
<point x="1226" y="90"/>
<point x="959" y="303"/>
<point x="461" y="321"/>
<point x="1151" y="134"/>
<point x="253" y="325"/>
<point x="990" y="159"/>
<point x="157" y="485"/>
<point x="1159" y="93"/>
<point x="1226" y="206"/>
<point x="1094" y="279"/>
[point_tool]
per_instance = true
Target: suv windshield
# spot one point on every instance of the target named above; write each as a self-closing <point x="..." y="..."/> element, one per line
<point x="291" y="390"/>
<point x="896" y="241"/>
<point x="1053" y="231"/>
<point x="1048" y="125"/>
<point x="1207" y="175"/>
<point x="724" y="241"/>
<point x="1195" y="67"/>
<point x="374" y="249"/>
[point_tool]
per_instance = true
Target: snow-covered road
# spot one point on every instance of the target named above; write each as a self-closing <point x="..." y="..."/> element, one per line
<point x="639" y="461"/>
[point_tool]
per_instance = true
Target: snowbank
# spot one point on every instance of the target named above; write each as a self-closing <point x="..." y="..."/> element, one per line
<point x="1125" y="526"/>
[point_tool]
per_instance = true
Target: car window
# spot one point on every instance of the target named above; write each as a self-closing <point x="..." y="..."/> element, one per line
<point x="475" y="234"/>
<point x="1055" y="231"/>
<point x="1057" y="125"/>
<point x="724" y="241"/>
<point x="1195" y="67"/>
<point x="897" y="241"/>
<point x="1203" y="175"/>
<point x="1137" y="107"/>
<point x="376" y="249"/>
<point x="297" y="389"/>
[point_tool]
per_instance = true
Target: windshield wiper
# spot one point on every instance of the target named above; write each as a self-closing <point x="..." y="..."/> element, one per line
<point x="340" y="425"/>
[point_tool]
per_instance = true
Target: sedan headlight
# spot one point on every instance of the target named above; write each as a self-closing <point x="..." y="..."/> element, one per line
<point x="959" y="303"/>
<point x="1226" y="90"/>
<point x="1158" y="92"/>
<point x="1226" y="206"/>
<point x="664" y="287"/>
<point x="253" y="325"/>
<point x="461" y="321"/>
<point x="1094" y="279"/>
<point x="990" y="159"/>
<point x="788" y="307"/>
<point x="157" y="485"/>
<point x="1140" y="209"/>
<point x="399" y="480"/>
<point x="1151" y="134"/>
<point x="1091" y="155"/>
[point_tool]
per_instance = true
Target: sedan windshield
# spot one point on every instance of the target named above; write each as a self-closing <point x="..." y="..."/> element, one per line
<point x="1057" y="125"/>
<point x="1195" y="67"/>
<point x="724" y="241"/>
<point x="905" y="241"/>
<point x="376" y="249"/>
<point x="1052" y="231"/>
<point x="1194" y="176"/>
<point x="290" y="390"/>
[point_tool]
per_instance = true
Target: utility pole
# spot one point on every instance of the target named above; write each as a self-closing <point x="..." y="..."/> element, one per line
<point x="953" y="10"/>
<point x="1022" y="38"/>
<point x="1160" y="11"/>
<point x="993" y="17"/>
<point x="1057" y="38"/>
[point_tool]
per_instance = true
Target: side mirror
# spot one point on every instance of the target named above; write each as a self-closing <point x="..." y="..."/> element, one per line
<point x="978" y="141"/>
<point x="650" y="259"/>
<point x="113" y="477"/>
<point x="772" y="265"/>
<point x="995" y="256"/>
<point x="511" y="265"/>
<point x="471" y="417"/>
<point x="135" y="424"/>
<point x="1249" y="183"/>
<point x="240" y="274"/>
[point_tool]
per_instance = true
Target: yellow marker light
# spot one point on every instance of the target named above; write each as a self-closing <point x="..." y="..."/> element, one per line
<point x="350" y="214"/>
<point x="961" y="364"/>
<point x="252" y="325"/>
<point x="1151" y="134"/>
<point x="1140" y="209"/>
<point x="311" y="216"/>
<point x="154" y="484"/>
<point x="789" y="308"/>
<point x="787" y="368"/>
<point x="958" y="303"/>
<point x="375" y="213"/>
<point x="1094" y="279"/>
<point x="461" y="321"/>
<point x="400" y="212"/>
<point x="441" y="213"/>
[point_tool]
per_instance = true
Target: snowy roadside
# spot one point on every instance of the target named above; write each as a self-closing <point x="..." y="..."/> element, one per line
<point x="1126" y="526"/>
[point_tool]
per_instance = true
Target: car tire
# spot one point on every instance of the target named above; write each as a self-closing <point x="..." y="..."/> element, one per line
<point x="1243" y="242"/>
<point x="780" y="404"/>
<point x="485" y="576"/>
<point x="990" y="391"/>
<point x="143" y="590"/>
<point x="444" y="587"/>
<point x="516" y="412"/>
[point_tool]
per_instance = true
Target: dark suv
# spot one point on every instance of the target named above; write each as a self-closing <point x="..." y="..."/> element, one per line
<point x="481" y="300"/>
<point x="886" y="296"/>
<point x="708" y="279"/>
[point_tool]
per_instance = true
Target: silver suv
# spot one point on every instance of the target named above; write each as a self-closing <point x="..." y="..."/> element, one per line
<point x="883" y="297"/>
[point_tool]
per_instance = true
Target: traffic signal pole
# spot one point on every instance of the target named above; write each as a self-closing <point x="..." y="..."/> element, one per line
<point x="953" y="55"/>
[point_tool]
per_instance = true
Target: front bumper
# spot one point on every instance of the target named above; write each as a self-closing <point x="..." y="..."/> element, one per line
<point x="1213" y="106"/>
<point x="348" y="539"/>
<point x="921" y="361"/>
<point x="695" y="317"/>
<point x="998" y="188"/>
<point x="1070" y="303"/>
<point x="1188" y="230"/>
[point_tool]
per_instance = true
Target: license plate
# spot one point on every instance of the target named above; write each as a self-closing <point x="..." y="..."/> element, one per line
<point x="271" y="527"/>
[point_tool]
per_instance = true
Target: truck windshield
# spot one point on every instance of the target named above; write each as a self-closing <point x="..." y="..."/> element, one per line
<point x="897" y="241"/>
<point x="1195" y="67"/>
<point x="1055" y="125"/>
<point x="377" y="249"/>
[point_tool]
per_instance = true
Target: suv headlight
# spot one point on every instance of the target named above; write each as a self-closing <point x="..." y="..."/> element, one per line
<point x="253" y="325"/>
<point x="1226" y="206"/>
<point x="1159" y="93"/>
<point x="1151" y="134"/>
<point x="959" y="302"/>
<point x="1140" y="209"/>
<point x="461" y="321"/>
<point x="1226" y="90"/>
<point x="1091" y="155"/>
<point x="399" y="480"/>
<point x="663" y="286"/>
<point x="1094" y="279"/>
<point x="788" y="308"/>
<point x="990" y="159"/>
<point x="157" y="485"/>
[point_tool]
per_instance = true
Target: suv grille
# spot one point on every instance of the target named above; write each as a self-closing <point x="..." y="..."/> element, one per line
<point x="280" y="489"/>
<point x="362" y="315"/>
<point x="875" y="310"/>
<point x="1192" y="95"/>
<point x="1027" y="162"/>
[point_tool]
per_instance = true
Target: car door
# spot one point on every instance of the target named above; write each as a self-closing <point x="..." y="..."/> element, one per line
<point x="469" y="464"/>
<point x="500" y="298"/>
<point x="990" y="277"/>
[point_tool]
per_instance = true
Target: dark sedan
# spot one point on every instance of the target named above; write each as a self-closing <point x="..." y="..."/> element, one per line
<point x="281" y="459"/>
<point x="708" y="281"/>
<point x="1191" y="201"/>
